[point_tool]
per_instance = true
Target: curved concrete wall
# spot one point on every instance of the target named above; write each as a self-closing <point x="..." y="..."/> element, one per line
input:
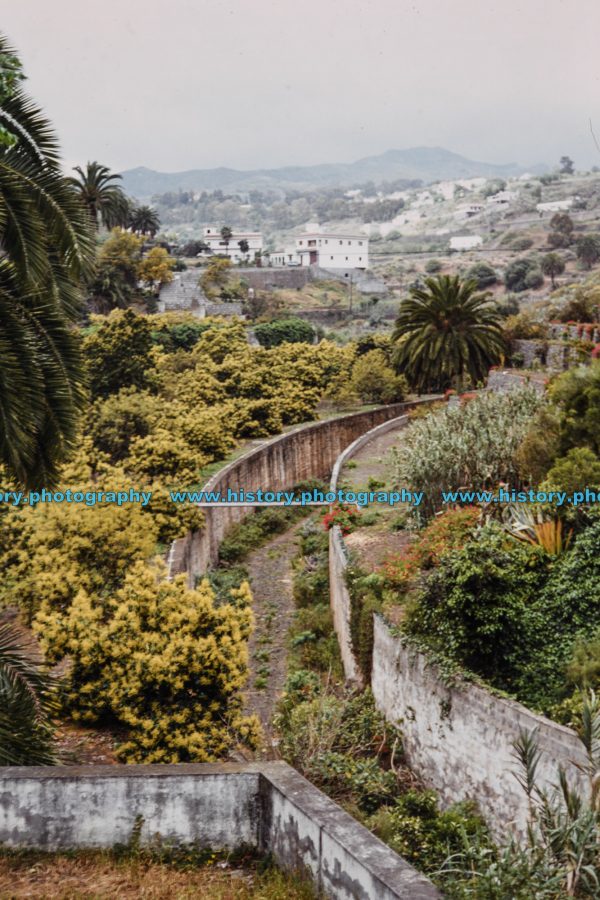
<point x="459" y="739"/>
<point x="309" y="451"/>
<point x="338" y="559"/>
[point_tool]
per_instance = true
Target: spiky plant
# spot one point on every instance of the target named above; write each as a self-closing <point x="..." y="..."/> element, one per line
<point x="26" y="705"/>
<point x="46" y="249"/>
<point x="447" y="333"/>
<point x="144" y="220"/>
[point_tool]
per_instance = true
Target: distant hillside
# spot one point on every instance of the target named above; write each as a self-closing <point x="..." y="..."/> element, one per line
<point x="424" y="163"/>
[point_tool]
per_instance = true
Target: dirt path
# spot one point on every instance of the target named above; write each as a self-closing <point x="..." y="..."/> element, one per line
<point x="270" y="570"/>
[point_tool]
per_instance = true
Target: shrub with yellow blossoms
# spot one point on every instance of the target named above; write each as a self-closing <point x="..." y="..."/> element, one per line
<point x="160" y="659"/>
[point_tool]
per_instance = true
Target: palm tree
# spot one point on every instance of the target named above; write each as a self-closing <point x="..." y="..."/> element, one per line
<point x="144" y="220"/>
<point x="226" y="234"/>
<point x="104" y="200"/>
<point x="446" y="331"/>
<point x="46" y="249"/>
<point x="26" y="705"/>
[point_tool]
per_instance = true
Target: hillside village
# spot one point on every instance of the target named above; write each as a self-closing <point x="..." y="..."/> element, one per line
<point x="299" y="525"/>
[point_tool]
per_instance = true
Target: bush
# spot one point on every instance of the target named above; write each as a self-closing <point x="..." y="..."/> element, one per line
<point x="375" y="381"/>
<point x="576" y="471"/>
<point x="577" y="393"/>
<point x="473" y="444"/>
<point x="432" y="266"/>
<point x="484" y="275"/>
<point x="159" y="659"/>
<point x="292" y="331"/>
<point x="118" y="354"/>
<point x="523" y="274"/>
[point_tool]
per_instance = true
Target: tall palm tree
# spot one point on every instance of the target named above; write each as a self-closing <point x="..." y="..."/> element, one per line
<point x="447" y="332"/>
<point x="104" y="200"/>
<point x="46" y="249"/>
<point x="144" y="220"/>
<point x="27" y="702"/>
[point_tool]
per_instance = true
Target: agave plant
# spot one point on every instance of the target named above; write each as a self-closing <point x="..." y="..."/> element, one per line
<point x="539" y="528"/>
<point x="27" y="701"/>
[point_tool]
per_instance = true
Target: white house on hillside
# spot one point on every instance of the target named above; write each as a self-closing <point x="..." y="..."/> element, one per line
<point x="326" y="249"/>
<point x="465" y="242"/>
<point x="212" y="237"/>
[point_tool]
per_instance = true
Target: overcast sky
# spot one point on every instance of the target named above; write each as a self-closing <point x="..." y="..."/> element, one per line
<point x="181" y="84"/>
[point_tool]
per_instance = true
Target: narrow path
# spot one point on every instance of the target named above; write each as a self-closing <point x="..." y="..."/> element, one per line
<point x="270" y="570"/>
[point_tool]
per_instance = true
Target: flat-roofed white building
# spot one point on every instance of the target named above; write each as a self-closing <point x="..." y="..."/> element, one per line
<point x="330" y="250"/>
<point x="213" y="238"/>
<point x="465" y="242"/>
<point x="287" y="257"/>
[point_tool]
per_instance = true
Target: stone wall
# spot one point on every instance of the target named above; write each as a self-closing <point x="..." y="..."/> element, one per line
<point x="502" y="381"/>
<point x="338" y="561"/>
<point x="305" y="453"/>
<point x="460" y="739"/>
<point x="268" y="806"/>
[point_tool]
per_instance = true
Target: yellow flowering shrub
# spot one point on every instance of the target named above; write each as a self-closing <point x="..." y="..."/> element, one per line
<point x="161" y="659"/>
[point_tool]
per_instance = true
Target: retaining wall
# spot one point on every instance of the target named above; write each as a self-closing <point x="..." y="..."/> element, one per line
<point x="338" y="560"/>
<point x="306" y="452"/>
<point x="460" y="739"/>
<point x="268" y="806"/>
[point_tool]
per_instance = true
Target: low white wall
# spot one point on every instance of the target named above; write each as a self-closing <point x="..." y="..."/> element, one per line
<point x="460" y="739"/>
<point x="268" y="806"/>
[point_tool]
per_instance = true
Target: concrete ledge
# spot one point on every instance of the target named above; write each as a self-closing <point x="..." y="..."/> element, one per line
<point x="265" y="805"/>
<point x="306" y="452"/>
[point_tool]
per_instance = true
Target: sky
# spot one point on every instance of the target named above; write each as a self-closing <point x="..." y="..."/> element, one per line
<point x="182" y="84"/>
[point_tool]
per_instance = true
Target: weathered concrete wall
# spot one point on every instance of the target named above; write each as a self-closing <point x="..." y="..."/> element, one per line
<point x="306" y="452"/>
<point x="501" y="381"/>
<point x="338" y="561"/>
<point x="460" y="739"/>
<point x="264" y="805"/>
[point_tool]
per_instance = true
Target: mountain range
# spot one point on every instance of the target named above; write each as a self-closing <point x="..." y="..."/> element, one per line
<point x="426" y="164"/>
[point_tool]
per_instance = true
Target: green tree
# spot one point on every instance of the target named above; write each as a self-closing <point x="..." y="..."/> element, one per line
<point x="588" y="249"/>
<point x="46" y="249"/>
<point x="522" y="274"/>
<point x="118" y="354"/>
<point x="484" y="275"/>
<point x="144" y="220"/>
<point x="561" y="230"/>
<point x="226" y="234"/>
<point x="567" y="167"/>
<point x="115" y="280"/>
<point x="292" y="331"/>
<point x="552" y="265"/>
<point x="26" y="705"/>
<point x="244" y="246"/>
<point x="447" y="332"/>
<point x="577" y="393"/>
<point x="104" y="200"/>
<point x="375" y="381"/>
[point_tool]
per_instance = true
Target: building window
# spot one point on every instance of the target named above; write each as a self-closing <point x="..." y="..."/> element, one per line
<point x="360" y="258"/>
<point x="300" y="242"/>
<point x="346" y="259"/>
<point x="349" y="242"/>
<point x="360" y="243"/>
<point x="326" y="242"/>
<point x="341" y="242"/>
<point x="331" y="258"/>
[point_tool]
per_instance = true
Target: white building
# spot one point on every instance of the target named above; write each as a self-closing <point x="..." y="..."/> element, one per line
<point x="333" y="251"/>
<point x="555" y="205"/>
<point x="212" y="237"/>
<point x="326" y="249"/>
<point x="465" y="242"/>
<point x="503" y="198"/>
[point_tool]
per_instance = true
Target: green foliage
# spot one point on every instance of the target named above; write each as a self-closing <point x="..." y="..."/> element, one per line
<point x="27" y="703"/>
<point x="552" y="265"/>
<point x="577" y="394"/>
<point x="446" y="331"/>
<point x="292" y="331"/>
<point x="484" y="274"/>
<point x="423" y="835"/>
<point x="522" y="274"/>
<point x="118" y="354"/>
<point x="375" y="381"/>
<point x="104" y="200"/>
<point x="432" y="266"/>
<point x="540" y="445"/>
<point x="47" y="250"/>
<point x="473" y="444"/>
<point x="476" y="605"/>
<point x="256" y="530"/>
<point x="587" y="248"/>
<point x="578" y="470"/>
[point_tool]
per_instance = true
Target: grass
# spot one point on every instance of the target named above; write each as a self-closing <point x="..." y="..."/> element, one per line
<point x="143" y="874"/>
